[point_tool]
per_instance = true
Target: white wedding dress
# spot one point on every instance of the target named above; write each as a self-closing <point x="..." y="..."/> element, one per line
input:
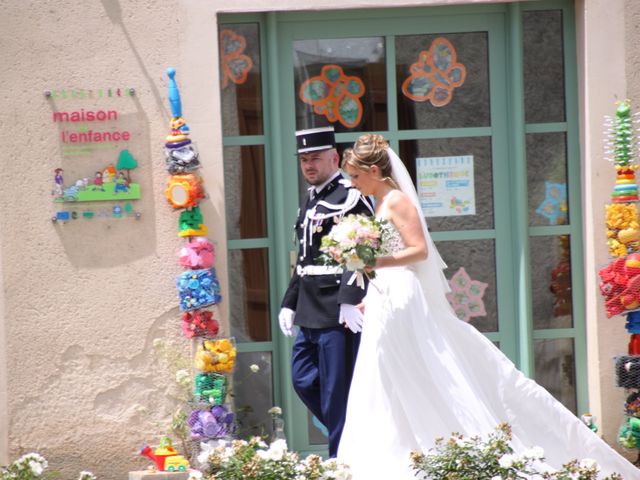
<point x="421" y="373"/>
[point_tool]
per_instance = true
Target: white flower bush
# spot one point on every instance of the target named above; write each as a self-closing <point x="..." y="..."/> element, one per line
<point x="31" y="467"/>
<point x="494" y="459"/>
<point x="255" y="459"/>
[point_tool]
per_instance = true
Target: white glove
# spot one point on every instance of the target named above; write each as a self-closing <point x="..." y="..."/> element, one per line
<point x="285" y="318"/>
<point x="352" y="317"/>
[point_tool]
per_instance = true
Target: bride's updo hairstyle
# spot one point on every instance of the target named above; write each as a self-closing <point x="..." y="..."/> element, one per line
<point x="370" y="149"/>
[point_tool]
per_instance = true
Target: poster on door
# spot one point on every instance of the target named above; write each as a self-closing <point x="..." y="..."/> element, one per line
<point x="446" y="185"/>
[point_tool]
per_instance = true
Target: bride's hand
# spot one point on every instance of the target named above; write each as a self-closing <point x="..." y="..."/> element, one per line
<point x="360" y="307"/>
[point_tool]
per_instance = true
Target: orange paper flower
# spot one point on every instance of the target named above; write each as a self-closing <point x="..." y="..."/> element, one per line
<point x="235" y="64"/>
<point x="435" y="75"/>
<point x="334" y="95"/>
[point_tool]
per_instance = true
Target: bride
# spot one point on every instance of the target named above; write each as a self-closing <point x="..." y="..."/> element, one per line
<point x="421" y="373"/>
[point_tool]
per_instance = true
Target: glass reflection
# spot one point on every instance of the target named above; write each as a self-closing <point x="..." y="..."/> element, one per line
<point x="469" y="104"/>
<point x="352" y="95"/>
<point x="543" y="64"/>
<point x="249" y="294"/>
<point x="240" y="79"/>
<point x="476" y="290"/>
<point x="555" y="369"/>
<point x="551" y="294"/>
<point x="245" y="192"/>
<point x="480" y="149"/>
<point x="253" y="394"/>
<point x="547" y="179"/>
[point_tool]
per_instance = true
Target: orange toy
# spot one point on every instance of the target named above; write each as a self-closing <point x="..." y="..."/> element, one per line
<point x="184" y="190"/>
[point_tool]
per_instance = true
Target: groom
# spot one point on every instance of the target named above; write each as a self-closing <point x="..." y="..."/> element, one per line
<point x="320" y="299"/>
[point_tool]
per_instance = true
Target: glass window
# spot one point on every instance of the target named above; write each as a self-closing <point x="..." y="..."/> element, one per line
<point x="477" y="147"/>
<point x="547" y="179"/>
<point x="245" y="192"/>
<point x="240" y="79"/>
<point x="551" y="282"/>
<point x="544" y="96"/>
<point x="253" y="394"/>
<point x="249" y="294"/>
<point x="437" y="93"/>
<point x="472" y="275"/>
<point x="555" y="369"/>
<point x="340" y="82"/>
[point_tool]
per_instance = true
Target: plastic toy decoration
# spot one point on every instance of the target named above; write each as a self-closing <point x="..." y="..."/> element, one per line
<point x="466" y="295"/>
<point x="165" y="457"/>
<point x="435" y="75"/>
<point x="181" y="159"/>
<point x="335" y="95"/>
<point x="235" y="65"/>
<point x="197" y="253"/>
<point x="210" y="387"/>
<point x="184" y="190"/>
<point x="215" y="356"/>
<point x="589" y="421"/>
<point x="629" y="433"/>
<point x="623" y="229"/>
<point x="620" y="149"/>
<point x="212" y="424"/>
<point x="191" y="223"/>
<point x="198" y="289"/>
<point x="632" y="405"/>
<point x="620" y="285"/>
<point x="199" y="323"/>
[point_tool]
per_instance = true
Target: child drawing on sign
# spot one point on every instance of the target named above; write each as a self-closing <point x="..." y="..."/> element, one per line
<point x="122" y="185"/>
<point x="58" y="181"/>
<point x="98" y="183"/>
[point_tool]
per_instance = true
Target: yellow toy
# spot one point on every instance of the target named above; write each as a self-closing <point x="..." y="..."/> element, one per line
<point x="215" y="356"/>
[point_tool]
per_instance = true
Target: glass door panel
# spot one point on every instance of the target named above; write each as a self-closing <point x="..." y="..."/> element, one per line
<point x="458" y="217"/>
<point x="241" y="77"/>
<point x="551" y="295"/>
<point x="340" y="82"/>
<point x="443" y="70"/>
<point x="555" y="361"/>
<point x="544" y="70"/>
<point x="472" y="275"/>
<point x="547" y="179"/>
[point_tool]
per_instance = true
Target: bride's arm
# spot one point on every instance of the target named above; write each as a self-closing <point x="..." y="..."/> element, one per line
<point x="404" y="216"/>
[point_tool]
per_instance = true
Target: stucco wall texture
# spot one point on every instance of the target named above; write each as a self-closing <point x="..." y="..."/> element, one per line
<point x="82" y="303"/>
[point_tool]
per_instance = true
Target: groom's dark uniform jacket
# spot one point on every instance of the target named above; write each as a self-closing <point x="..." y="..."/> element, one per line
<point x="316" y="291"/>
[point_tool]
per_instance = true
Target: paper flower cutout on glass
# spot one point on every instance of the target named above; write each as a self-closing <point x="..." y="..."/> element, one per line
<point x="334" y="95"/>
<point x="235" y="65"/>
<point x="435" y="75"/>
<point x="554" y="206"/>
<point x="466" y="295"/>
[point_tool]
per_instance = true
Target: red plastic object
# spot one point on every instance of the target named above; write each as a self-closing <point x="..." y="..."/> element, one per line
<point x="634" y="344"/>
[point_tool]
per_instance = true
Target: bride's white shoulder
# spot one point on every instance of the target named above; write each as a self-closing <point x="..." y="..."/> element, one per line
<point x="397" y="200"/>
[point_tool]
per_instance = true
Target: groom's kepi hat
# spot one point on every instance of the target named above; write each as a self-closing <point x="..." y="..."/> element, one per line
<point x="315" y="139"/>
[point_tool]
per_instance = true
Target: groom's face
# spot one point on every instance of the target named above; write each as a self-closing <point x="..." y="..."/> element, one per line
<point x="318" y="167"/>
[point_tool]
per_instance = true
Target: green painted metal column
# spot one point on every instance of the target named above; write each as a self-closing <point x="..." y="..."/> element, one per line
<point x="518" y="172"/>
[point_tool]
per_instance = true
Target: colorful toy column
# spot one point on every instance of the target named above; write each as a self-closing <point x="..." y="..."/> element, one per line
<point x="620" y="279"/>
<point x="198" y="289"/>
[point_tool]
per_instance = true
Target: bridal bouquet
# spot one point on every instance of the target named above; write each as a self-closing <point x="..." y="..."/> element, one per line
<point x="353" y="243"/>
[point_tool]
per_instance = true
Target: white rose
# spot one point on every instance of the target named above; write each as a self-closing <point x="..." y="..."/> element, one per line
<point x="534" y="453"/>
<point x="254" y="368"/>
<point x="506" y="461"/>
<point x="36" y="468"/>
<point x="588" y="463"/>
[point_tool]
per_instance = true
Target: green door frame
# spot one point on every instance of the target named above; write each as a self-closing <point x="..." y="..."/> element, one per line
<point x="511" y="233"/>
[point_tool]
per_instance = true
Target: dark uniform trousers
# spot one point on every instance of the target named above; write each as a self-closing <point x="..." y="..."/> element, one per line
<point x="324" y="351"/>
